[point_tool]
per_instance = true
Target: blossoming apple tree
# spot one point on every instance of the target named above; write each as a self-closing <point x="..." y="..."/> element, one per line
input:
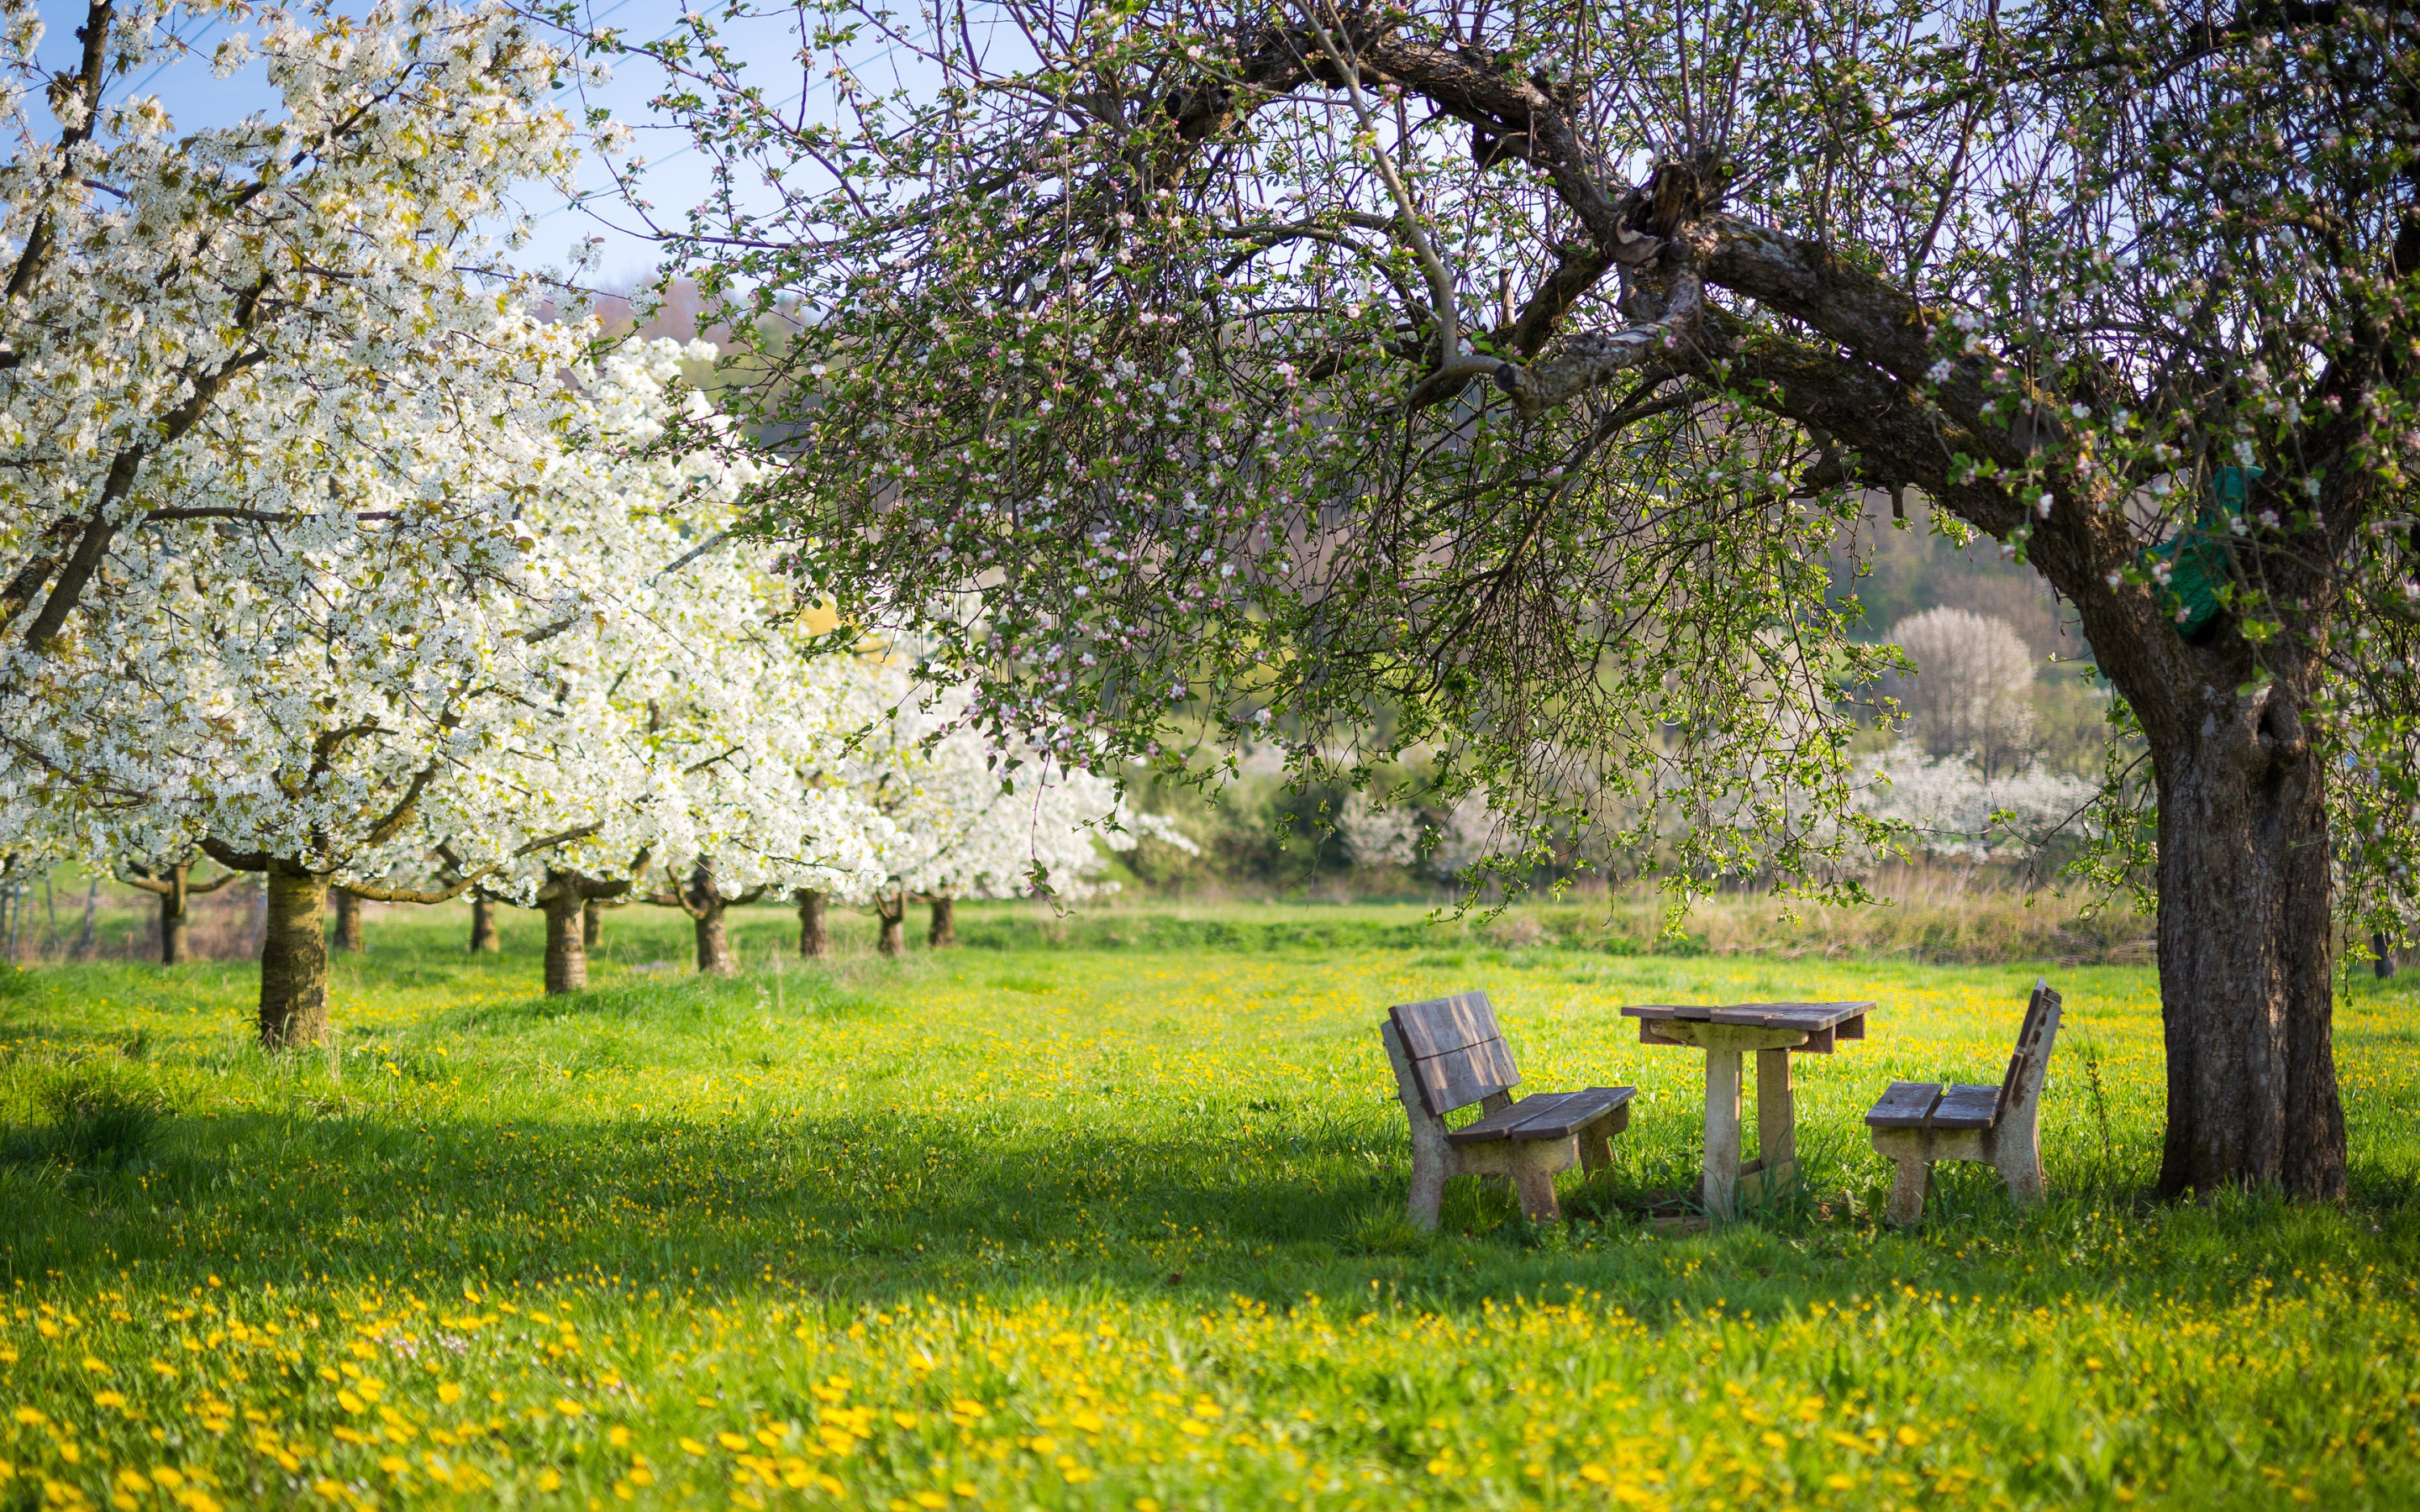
<point x="1509" y="371"/>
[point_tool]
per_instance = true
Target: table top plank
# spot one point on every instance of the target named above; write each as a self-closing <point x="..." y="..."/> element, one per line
<point x="1808" y="1016"/>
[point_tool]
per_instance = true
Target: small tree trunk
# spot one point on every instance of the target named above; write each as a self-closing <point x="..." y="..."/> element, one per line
<point x="175" y="918"/>
<point x="294" y="959"/>
<point x="2382" y="958"/>
<point x="2244" y="933"/>
<point x="348" y="922"/>
<point x="483" y="926"/>
<point x="567" y="947"/>
<point x="714" y="957"/>
<point x="892" y="908"/>
<point x="813" y="942"/>
<point x="944" y="930"/>
<point x="592" y="925"/>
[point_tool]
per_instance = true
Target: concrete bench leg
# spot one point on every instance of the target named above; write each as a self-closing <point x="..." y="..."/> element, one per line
<point x="1910" y="1179"/>
<point x="1533" y="1177"/>
<point x="1431" y="1162"/>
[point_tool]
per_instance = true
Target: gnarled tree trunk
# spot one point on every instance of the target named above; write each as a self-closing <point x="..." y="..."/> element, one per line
<point x="2382" y="955"/>
<point x="294" y="958"/>
<point x="714" y="958"/>
<point x="892" y="908"/>
<point x="2244" y="953"/>
<point x="944" y="929"/>
<point x="813" y="943"/>
<point x="592" y="925"/>
<point x="348" y="922"/>
<point x="567" y="944"/>
<point x="483" y="926"/>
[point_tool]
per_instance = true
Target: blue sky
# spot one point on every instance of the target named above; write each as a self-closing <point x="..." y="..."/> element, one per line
<point x="675" y="178"/>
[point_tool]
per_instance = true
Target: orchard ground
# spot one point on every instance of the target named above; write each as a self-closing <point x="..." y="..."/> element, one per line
<point x="1113" y="1220"/>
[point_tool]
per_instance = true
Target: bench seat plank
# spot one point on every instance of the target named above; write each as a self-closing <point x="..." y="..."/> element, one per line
<point x="1966" y="1107"/>
<point x="1546" y="1115"/>
<point x="1906" y="1105"/>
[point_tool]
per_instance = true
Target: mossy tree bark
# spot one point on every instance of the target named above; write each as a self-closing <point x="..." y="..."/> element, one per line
<point x="567" y="944"/>
<point x="892" y="908"/>
<point x="565" y="896"/>
<point x="815" y="943"/>
<point x="714" y="958"/>
<point x="349" y="921"/>
<point x="294" y="958"/>
<point x="484" y="939"/>
<point x="2248" y="1009"/>
<point x="944" y="930"/>
<point x="176" y="928"/>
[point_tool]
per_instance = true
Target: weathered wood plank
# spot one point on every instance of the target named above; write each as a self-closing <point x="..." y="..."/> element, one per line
<point x="1444" y="1025"/>
<point x="1546" y="1115"/>
<point x="1500" y="1125"/>
<point x="1966" y="1107"/>
<point x="1905" y="1106"/>
<point x="1809" y="1016"/>
<point x="1461" y="1077"/>
<point x="1734" y="1037"/>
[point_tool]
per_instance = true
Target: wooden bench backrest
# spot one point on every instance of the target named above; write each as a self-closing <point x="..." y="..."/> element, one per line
<point x="1456" y="1051"/>
<point x="2022" y="1086"/>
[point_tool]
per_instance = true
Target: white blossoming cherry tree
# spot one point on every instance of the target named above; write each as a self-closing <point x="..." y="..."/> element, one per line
<point x="970" y="819"/>
<point x="275" y="415"/>
<point x="1499" y="377"/>
<point x="747" y="713"/>
<point x="678" y="709"/>
<point x="349" y="709"/>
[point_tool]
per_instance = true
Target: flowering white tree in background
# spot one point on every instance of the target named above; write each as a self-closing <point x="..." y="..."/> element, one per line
<point x="970" y="820"/>
<point x="1467" y="837"/>
<point x="1376" y="837"/>
<point x="343" y="703"/>
<point x="1972" y="691"/>
<point x="1950" y="809"/>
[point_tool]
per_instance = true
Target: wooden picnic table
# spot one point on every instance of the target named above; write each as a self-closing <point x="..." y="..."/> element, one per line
<point x="1776" y="1031"/>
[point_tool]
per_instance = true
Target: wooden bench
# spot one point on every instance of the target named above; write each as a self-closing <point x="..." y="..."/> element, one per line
<point x="1918" y="1124"/>
<point x="1448" y="1054"/>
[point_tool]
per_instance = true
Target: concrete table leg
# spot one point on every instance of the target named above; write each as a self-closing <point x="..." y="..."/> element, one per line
<point x="1722" y="1134"/>
<point x="1777" y="1122"/>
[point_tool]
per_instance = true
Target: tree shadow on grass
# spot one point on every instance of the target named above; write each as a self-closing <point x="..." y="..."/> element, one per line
<point x="898" y="1205"/>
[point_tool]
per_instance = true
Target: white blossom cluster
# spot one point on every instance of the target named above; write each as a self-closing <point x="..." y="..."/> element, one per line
<point x="972" y="820"/>
<point x="1945" y="807"/>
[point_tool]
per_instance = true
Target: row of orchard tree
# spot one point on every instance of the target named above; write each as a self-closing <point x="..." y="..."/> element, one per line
<point x="348" y="556"/>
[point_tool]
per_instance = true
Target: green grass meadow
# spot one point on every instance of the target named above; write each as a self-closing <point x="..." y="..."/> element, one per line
<point x="1109" y="1215"/>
